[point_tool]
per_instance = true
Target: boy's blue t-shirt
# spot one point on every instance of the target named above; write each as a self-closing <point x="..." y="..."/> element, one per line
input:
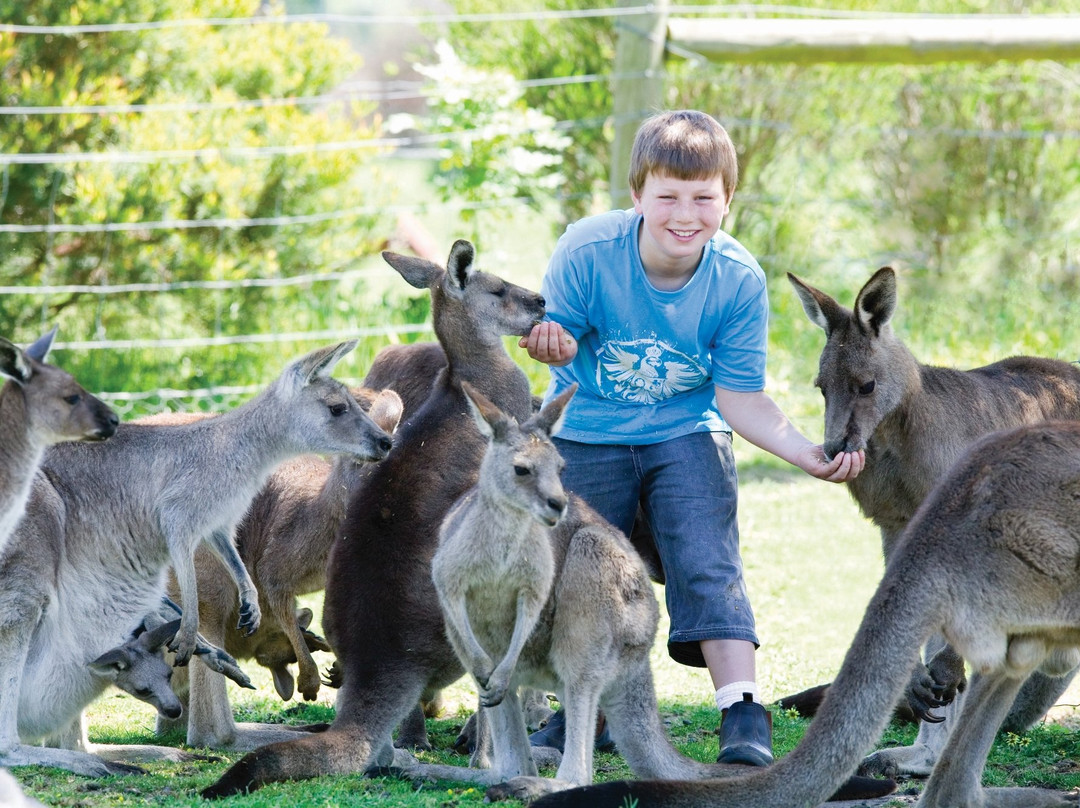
<point x="647" y="359"/>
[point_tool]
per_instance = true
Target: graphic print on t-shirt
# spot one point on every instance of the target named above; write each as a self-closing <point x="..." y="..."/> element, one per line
<point x="645" y="371"/>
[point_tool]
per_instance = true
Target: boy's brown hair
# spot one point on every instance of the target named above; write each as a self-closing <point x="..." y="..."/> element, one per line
<point x="685" y="144"/>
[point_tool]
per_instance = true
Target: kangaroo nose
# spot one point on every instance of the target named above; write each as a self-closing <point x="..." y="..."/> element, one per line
<point x="541" y="301"/>
<point x="172" y="712"/>
<point x="557" y="504"/>
<point x="385" y="445"/>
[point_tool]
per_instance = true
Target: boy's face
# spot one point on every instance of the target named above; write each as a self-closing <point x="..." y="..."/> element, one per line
<point x="680" y="216"/>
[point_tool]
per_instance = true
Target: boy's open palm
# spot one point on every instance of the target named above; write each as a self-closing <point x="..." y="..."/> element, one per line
<point x="550" y="343"/>
<point x="842" y="468"/>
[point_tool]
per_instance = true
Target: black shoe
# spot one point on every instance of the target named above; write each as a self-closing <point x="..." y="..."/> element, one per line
<point x="553" y="734"/>
<point x="746" y="734"/>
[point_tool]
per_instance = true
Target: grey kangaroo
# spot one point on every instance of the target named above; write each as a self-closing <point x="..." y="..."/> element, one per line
<point x="1008" y="518"/>
<point x="494" y="565"/>
<point x="40" y="405"/>
<point x="283" y="539"/>
<point x="138" y="667"/>
<point x="105" y="520"/>
<point x="914" y="421"/>
<point x="381" y="612"/>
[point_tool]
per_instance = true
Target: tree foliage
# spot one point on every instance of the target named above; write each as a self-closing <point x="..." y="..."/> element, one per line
<point x="153" y="177"/>
<point x="963" y="175"/>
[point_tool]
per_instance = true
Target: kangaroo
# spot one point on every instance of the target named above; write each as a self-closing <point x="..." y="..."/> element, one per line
<point x="914" y="421"/>
<point x="40" y="405"/>
<point x="11" y="796"/>
<point x="1008" y="514"/>
<point x="494" y="565"/>
<point x="138" y="667"/>
<point x="105" y="520"/>
<point x="283" y="539"/>
<point x="381" y="612"/>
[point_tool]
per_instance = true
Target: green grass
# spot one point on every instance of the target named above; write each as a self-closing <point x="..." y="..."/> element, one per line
<point x="812" y="563"/>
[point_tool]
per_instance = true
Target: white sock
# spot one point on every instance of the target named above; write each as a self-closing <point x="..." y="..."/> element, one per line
<point x="729" y="694"/>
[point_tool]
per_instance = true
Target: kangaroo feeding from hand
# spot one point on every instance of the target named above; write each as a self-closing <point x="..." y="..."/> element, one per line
<point x="914" y="421"/>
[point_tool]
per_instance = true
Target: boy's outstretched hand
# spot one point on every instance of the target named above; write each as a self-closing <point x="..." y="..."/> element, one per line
<point x="842" y="468"/>
<point x="550" y="343"/>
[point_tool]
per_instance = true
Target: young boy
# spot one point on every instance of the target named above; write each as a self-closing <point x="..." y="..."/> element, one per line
<point x="661" y="317"/>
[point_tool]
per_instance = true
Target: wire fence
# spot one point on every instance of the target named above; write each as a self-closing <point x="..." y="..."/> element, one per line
<point x="356" y="292"/>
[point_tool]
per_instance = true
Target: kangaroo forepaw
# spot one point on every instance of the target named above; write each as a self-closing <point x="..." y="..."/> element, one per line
<point x="926" y="693"/>
<point x="492" y="696"/>
<point x="250" y="617"/>
<point x="182" y="651"/>
<point x="333" y="676"/>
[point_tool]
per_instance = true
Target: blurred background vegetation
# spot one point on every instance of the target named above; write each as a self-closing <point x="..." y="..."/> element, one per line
<point x="195" y="203"/>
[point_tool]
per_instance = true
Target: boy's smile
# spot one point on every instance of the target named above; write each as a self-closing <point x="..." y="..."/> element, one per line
<point x="679" y="218"/>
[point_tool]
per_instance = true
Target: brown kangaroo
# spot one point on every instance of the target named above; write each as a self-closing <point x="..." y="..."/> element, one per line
<point x="1006" y="523"/>
<point x="914" y="421"/>
<point x="381" y="613"/>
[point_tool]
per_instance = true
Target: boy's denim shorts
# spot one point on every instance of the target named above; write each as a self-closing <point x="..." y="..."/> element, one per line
<point x="689" y="490"/>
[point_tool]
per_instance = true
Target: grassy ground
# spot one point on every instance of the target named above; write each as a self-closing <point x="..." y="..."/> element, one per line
<point x="811" y="563"/>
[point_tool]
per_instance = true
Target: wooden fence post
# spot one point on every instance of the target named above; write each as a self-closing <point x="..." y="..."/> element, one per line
<point x="637" y="86"/>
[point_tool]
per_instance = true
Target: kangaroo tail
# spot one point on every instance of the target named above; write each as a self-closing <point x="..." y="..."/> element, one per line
<point x="330" y="752"/>
<point x="681" y="794"/>
<point x="906" y="608"/>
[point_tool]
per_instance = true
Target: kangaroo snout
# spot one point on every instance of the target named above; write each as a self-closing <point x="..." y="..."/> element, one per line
<point x="376" y="450"/>
<point x="106" y="428"/>
<point x="556" y="508"/>
<point x="171" y="711"/>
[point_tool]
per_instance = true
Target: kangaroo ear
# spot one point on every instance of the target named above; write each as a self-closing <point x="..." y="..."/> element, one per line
<point x="418" y="272"/>
<point x="319" y="363"/>
<point x="304" y="616"/>
<point x="386" y="410"/>
<point x="459" y="266"/>
<point x="40" y="348"/>
<point x="876" y="302"/>
<point x="284" y="683"/>
<point x="13" y="362"/>
<point x="823" y="311"/>
<point x="156" y="637"/>
<point x="111" y="663"/>
<point x="491" y="421"/>
<point x="550" y="418"/>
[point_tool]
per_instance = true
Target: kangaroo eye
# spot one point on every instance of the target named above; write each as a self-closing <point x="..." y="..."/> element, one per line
<point x="73" y="399"/>
<point x="142" y="692"/>
<point x="867" y="388"/>
<point x="338" y="409"/>
<point x="521" y="471"/>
